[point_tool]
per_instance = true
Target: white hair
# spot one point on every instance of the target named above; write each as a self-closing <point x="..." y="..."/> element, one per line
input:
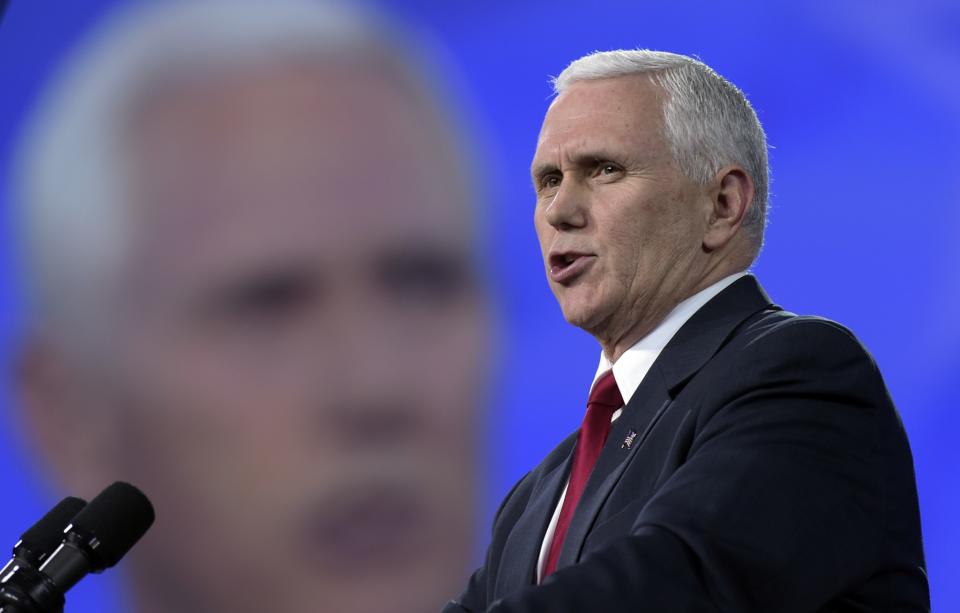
<point x="708" y="121"/>
<point x="68" y="177"/>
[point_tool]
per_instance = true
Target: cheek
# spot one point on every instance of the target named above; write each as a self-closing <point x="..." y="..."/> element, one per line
<point x="195" y="419"/>
<point x="648" y="234"/>
<point x="628" y="245"/>
<point x="198" y="441"/>
<point x="213" y="466"/>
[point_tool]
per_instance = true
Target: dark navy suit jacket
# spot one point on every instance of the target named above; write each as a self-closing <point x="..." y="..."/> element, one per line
<point x="768" y="472"/>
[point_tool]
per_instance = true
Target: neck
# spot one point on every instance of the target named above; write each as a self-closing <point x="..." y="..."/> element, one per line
<point x="654" y="312"/>
<point x="616" y="347"/>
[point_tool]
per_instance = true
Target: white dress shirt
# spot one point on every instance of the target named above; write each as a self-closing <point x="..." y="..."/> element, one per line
<point x="632" y="367"/>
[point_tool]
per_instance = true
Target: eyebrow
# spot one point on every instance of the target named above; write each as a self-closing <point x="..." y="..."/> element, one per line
<point x="538" y="171"/>
<point x="582" y="159"/>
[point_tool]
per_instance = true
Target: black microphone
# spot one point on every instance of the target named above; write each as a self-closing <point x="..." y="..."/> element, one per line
<point x="96" y="539"/>
<point x="43" y="537"/>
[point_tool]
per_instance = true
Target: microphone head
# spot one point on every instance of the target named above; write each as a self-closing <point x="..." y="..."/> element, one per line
<point x="44" y="536"/>
<point x="113" y="522"/>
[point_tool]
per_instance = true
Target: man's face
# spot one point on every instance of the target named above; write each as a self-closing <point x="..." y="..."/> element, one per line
<point x="298" y="360"/>
<point x="620" y="227"/>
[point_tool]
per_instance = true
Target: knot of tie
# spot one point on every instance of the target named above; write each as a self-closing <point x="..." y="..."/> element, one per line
<point x="605" y="392"/>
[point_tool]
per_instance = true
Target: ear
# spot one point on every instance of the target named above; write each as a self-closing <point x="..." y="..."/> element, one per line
<point x="731" y="197"/>
<point x="70" y="429"/>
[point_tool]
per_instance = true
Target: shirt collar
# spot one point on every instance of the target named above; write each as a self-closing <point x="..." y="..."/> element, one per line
<point x="634" y="364"/>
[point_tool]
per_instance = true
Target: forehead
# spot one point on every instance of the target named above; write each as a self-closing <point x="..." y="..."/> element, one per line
<point x="300" y="157"/>
<point x="622" y="111"/>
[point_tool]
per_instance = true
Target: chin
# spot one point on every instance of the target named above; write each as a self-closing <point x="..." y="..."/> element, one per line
<point x="579" y="314"/>
<point x="589" y="308"/>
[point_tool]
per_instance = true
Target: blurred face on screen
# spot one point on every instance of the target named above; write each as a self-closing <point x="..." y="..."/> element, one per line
<point x="295" y="368"/>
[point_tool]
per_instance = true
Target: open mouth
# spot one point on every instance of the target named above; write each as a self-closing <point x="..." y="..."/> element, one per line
<point x="565" y="266"/>
<point x="559" y="261"/>
<point x="366" y="531"/>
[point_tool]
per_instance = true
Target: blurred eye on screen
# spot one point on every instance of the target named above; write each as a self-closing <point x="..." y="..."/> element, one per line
<point x="424" y="277"/>
<point x="267" y="299"/>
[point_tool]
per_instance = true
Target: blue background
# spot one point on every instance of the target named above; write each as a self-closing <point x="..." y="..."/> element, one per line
<point x="861" y="103"/>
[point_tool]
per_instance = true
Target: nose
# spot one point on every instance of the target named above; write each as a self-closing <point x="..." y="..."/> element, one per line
<point x="567" y="210"/>
<point x="379" y="399"/>
<point x="366" y="409"/>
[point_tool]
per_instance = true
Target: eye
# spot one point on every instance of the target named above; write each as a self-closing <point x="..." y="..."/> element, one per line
<point x="608" y="169"/>
<point x="424" y="278"/>
<point x="551" y="181"/>
<point x="269" y="298"/>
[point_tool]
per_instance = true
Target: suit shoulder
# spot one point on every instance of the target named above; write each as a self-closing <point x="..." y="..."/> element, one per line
<point x="783" y="331"/>
<point x="804" y="353"/>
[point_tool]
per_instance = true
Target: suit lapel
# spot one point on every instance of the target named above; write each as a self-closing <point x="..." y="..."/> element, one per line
<point x="641" y="414"/>
<point x="522" y="548"/>
<point x="693" y="345"/>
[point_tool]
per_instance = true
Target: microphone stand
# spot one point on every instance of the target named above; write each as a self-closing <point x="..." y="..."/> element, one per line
<point x="29" y="592"/>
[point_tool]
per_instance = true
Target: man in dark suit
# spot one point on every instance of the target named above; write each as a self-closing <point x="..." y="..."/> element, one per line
<point x="733" y="456"/>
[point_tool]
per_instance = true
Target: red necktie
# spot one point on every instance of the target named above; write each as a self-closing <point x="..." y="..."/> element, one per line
<point x="604" y="400"/>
